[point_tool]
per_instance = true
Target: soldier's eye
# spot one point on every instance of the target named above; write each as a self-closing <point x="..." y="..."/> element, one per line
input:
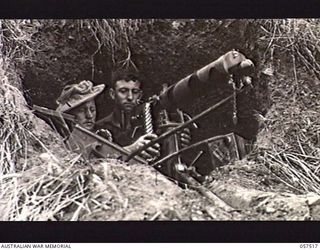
<point x="136" y="91"/>
<point x="123" y="90"/>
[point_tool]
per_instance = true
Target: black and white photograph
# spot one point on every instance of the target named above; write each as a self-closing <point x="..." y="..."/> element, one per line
<point x="160" y="119"/>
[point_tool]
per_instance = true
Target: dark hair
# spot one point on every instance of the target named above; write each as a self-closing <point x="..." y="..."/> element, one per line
<point x="125" y="75"/>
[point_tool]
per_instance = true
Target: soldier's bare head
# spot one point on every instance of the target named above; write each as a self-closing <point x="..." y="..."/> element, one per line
<point x="126" y="90"/>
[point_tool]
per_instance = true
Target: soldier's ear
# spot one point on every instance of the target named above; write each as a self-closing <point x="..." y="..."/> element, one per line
<point x="112" y="93"/>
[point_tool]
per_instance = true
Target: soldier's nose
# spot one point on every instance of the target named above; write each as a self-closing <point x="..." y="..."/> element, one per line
<point x="130" y="96"/>
<point x="89" y="114"/>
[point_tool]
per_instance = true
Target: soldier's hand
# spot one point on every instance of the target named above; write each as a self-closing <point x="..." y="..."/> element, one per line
<point x="105" y="133"/>
<point x="185" y="137"/>
<point x="149" y="153"/>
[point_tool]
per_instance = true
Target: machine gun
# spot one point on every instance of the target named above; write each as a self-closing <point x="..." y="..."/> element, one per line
<point x="232" y="67"/>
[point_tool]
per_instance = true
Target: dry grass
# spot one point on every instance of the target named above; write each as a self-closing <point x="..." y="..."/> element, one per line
<point x="289" y="145"/>
<point x="290" y="148"/>
<point x="14" y="123"/>
<point x="43" y="192"/>
<point x="34" y="184"/>
<point x="115" y="35"/>
<point x="298" y="38"/>
<point x="289" y="142"/>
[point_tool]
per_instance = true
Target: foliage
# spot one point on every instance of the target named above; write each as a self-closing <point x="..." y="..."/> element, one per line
<point x="14" y="117"/>
<point x="289" y="141"/>
<point x="296" y="38"/>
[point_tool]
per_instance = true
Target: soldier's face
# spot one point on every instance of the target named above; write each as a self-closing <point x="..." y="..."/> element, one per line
<point x="85" y="114"/>
<point x="126" y="94"/>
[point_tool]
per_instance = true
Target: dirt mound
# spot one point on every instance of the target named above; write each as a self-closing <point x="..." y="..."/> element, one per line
<point x="256" y="191"/>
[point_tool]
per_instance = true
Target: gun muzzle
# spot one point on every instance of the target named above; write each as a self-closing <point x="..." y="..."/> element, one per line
<point x="206" y="79"/>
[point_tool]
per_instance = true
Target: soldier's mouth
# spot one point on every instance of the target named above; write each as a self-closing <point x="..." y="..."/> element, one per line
<point x="88" y="123"/>
<point x="128" y="105"/>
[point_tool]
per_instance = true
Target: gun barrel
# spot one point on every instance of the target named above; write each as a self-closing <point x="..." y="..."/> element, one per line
<point x="182" y="126"/>
<point x="206" y="79"/>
